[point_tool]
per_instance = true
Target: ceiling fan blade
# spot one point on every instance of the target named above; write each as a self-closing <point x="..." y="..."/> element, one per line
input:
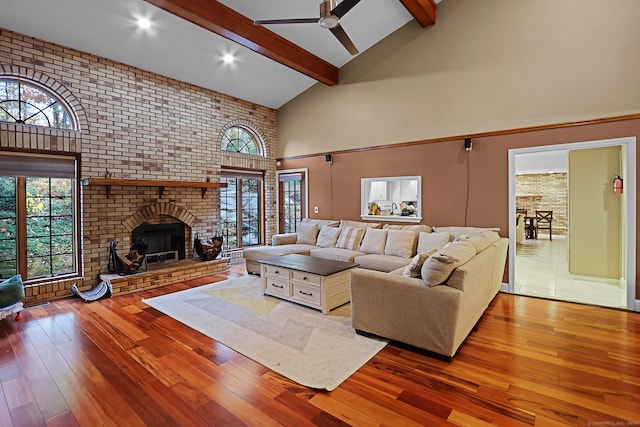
<point x="287" y="21"/>
<point x="343" y="7"/>
<point x="342" y="36"/>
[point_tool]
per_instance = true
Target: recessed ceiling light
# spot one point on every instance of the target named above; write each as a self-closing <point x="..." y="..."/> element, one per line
<point x="228" y="58"/>
<point x="144" y="23"/>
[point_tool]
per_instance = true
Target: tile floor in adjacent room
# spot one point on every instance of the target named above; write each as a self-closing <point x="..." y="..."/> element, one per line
<point x="541" y="269"/>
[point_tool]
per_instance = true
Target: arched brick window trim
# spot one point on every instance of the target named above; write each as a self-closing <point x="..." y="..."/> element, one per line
<point x="247" y="124"/>
<point x="51" y="84"/>
<point x="149" y="212"/>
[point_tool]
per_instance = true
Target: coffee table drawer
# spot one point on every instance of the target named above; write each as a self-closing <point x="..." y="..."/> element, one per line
<point x="278" y="285"/>
<point x="308" y="294"/>
<point x="306" y="278"/>
<point x="277" y="272"/>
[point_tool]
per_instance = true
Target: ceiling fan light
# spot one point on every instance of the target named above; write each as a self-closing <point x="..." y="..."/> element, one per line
<point x="329" y="21"/>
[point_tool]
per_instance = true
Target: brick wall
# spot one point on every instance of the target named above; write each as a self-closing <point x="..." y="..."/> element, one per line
<point x="545" y="191"/>
<point x="136" y="125"/>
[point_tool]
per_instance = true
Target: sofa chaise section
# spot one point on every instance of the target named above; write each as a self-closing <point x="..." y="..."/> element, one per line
<point x="437" y="318"/>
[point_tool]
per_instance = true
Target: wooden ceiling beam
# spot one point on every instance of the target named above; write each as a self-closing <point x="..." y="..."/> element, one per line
<point x="228" y="23"/>
<point x="423" y="11"/>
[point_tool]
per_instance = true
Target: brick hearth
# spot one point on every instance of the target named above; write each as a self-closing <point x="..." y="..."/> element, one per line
<point x="176" y="272"/>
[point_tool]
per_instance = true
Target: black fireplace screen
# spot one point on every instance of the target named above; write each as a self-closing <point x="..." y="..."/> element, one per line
<point x="160" y="239"/>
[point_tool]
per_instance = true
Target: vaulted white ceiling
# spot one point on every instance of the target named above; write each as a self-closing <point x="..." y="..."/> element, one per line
<point x="179" y="49"/>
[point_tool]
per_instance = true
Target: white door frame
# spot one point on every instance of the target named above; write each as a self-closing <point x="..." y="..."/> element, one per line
<point x="629" y="204"/>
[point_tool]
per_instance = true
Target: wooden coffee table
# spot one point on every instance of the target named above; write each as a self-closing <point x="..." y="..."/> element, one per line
<point x="315" y="282"/>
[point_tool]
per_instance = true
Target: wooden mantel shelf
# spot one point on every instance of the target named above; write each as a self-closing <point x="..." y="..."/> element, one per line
<point x="161" y="184"/>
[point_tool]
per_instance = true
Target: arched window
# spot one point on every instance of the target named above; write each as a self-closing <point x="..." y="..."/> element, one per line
<point x="29" y="103"/>
<point x="241" y="139"/>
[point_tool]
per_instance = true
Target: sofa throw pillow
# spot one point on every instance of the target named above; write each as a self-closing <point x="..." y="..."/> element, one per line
<point x="328" y="236"/>
<point x="439" y="266"/>
<point x="350" y="238"/>
<point x="414" y="269"/>
<point x="428" y="241"/>
<point x="400" y="243"/>
<point x="11" y="291"/>
<point x="374" y="241"/>
<point x="307" y="234"/>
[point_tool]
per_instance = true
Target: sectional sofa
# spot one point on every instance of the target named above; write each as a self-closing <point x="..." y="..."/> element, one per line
<point x="420" y="285"/>
<point x="374" y="246"/>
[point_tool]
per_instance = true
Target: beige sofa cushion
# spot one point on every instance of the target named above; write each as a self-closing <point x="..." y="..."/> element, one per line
<point x="439" y="266"/>
<point x="414" y="269"/>
<point x="384" y="263"/>
<point x="320" y="222"/>
<point x="418" y="228"/>
<point x="400" y="243"/>
<point x="350" y="238"/>
<point x="336" y="254"/>
<point x="483" y="240"/>
<point x="307" y="234"/>
<point x="328" y="236"/>
<point x="374" y="241"/>
<point x="456" y="231"/>
<point x="428" y="241"/>
<point x="359" y="224"/>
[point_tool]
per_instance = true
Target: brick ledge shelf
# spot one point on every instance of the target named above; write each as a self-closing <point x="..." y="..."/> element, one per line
<point x="177" y="272"/>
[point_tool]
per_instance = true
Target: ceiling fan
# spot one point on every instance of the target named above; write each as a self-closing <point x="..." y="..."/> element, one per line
<point x="330" y="13"/>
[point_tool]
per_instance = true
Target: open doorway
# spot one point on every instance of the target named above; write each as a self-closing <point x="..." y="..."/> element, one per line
<point x="561" y="262"/>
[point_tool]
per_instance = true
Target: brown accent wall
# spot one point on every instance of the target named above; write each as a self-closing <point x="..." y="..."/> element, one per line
<point x="136" y="125"/>
<point x="335" y="188"/>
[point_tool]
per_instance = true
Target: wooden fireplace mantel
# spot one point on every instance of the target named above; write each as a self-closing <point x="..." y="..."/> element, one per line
<point x="161" y="184"/>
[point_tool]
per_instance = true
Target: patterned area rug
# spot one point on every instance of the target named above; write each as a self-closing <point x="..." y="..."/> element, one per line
<point x="300" y="343"/>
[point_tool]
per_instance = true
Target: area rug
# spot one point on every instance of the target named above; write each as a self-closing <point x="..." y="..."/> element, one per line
<point x="300" y="343"/>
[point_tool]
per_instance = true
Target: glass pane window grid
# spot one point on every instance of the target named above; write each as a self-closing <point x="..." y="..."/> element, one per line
<point x="240" y="207"/>
<point x="229" y="212"/>
<point x="49" y="226"/>
<point x="292" y="199"/>
<point x="240" y="140"/>
<point x="8" y="243"/>
<point x="250" y="211"/>
<point x="21" y="102"/>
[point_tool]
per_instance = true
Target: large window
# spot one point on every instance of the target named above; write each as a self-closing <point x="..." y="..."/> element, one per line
<point x="38" y="232"/>
<point x="240" y="209"/>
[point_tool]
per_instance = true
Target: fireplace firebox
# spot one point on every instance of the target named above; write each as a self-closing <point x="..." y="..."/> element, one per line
<point x="164" y="242"/>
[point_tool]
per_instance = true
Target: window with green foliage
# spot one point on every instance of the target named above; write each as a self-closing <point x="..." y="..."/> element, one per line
<point x="38" y="236"/>
<point x="241" y="139"/>
<point x="27" y="103"/>
<point x="8" y="242"/>
<point x="240" y="209"/>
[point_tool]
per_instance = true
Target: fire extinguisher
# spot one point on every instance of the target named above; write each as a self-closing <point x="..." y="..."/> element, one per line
<point x="617" y="184"/>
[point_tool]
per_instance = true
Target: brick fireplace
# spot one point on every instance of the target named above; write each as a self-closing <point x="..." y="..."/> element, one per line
<point x="165" y="227"/>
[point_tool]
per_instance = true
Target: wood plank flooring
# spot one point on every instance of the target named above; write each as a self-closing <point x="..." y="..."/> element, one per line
<point x="118" y="362"/>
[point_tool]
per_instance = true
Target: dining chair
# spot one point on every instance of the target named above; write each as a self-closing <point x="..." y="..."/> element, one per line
<point x="543" y="222"/>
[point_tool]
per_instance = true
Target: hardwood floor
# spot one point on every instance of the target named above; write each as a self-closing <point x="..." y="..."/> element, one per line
<point x="118" y="362"/>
